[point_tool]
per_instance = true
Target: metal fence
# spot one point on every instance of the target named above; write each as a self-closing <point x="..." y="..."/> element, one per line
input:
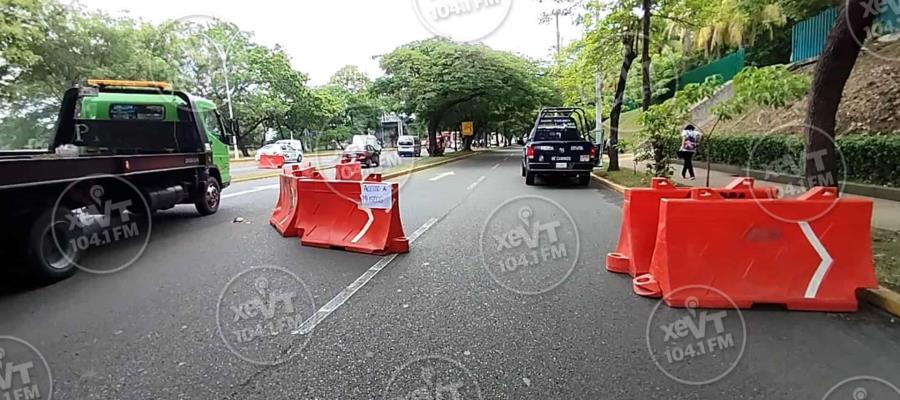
<point x="809" y="36"/>
<point x="727" y="67"/>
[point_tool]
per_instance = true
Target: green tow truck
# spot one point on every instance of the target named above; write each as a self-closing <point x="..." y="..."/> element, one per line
<point x="122" y="150"/>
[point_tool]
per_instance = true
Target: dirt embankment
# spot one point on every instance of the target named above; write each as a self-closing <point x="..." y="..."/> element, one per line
<point x="871" y="103"/>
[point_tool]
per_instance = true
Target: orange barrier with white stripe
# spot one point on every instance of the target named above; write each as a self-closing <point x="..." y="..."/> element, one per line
<point x="270" y="162"/>
<point x="337" y="214"/>
<point x="739" y="248"/>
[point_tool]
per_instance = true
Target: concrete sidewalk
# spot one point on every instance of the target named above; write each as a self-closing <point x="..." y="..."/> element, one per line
<point x="887" y="212"/>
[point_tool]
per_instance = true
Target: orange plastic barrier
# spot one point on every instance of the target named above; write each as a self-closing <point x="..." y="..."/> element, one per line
<point x="270" y="162"/>
<point x="284" y="217"/>
<point x="640" y="218"/>
<point x="332" y="214"/>
<point x="741" y="249"/>
<point x="351" y="171"/>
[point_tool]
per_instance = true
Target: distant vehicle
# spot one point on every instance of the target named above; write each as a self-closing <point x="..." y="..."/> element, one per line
<point x="294" y="143"/>
<point x="558" y="146"/>
<point x="290" y="153"/>
<point x="367" y="140"/>
<point x="409" y="146"/>
<point x="367" y="155"/>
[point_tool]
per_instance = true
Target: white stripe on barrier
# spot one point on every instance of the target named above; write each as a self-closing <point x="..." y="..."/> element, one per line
<point x="366" y="227"/>
<point x="813" y="289"/>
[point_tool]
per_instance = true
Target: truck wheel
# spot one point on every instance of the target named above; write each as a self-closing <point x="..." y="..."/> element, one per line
<point x="523" y="170"/>
<point x="529" y="178"/>
<point x="50" y="258"/>
<point x="208" y="203"/>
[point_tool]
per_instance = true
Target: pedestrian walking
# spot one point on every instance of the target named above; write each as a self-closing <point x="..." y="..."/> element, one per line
<point x="690" y="140"/>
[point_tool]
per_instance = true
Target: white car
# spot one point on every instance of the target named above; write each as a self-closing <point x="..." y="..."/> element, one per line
<point x="290" y="153"/>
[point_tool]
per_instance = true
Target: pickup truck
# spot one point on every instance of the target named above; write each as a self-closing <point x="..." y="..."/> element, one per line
<point x="558" y="146"/>
<point x="121" y="151"/>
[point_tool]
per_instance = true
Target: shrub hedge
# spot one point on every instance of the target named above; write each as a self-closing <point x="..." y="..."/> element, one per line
<point x="869" y="159"/>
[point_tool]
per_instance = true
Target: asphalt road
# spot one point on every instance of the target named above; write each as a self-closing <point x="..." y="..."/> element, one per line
<point x="463" y="313"/>
<point x="389" y="159"/>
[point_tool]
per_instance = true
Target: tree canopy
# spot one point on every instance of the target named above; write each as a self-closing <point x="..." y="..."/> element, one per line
<point x="445" y="83"/>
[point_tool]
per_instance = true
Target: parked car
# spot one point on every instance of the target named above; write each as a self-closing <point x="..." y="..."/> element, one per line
<point x="558" y="146"/>
<point x="290" y="153"/>
<point x="367" y="155"/>
<point x="409" y="146"/>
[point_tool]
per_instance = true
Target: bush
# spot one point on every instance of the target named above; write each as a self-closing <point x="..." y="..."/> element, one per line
<point x="870" y="159"/>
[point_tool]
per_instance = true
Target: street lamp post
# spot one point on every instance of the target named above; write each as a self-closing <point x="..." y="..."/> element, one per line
<point x="224" y="57"/>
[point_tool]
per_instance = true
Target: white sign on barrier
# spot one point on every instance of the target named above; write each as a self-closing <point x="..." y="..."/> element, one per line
<point x="376" y="195"/>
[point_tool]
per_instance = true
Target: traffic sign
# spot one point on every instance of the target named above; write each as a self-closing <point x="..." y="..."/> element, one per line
<point x="468" y="128"/>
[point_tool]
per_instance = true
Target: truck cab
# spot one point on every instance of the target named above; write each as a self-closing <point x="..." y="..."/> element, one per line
<point x="147" y="108"/>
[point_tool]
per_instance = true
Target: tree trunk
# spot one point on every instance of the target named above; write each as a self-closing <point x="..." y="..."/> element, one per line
<point x="832" y="72"/>
<point x="432" y="136"/>
<point x="645" y="55"/>
<point x="616" y="112"/>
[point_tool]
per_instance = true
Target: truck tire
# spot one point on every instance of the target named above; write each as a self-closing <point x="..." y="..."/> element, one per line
<point x="584" y="180"/>
<point x="208" y="201"/>
<point x="46" y="262"/>
<point x="529" y="178"/>
<point x="523" y="170"/>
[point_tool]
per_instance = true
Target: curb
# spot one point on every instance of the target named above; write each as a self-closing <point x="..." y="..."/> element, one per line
<point x="268" y="175"/>
<point x="384" y="177"/>
<point x="883" y="298"/>
<point x="609" y="184"/>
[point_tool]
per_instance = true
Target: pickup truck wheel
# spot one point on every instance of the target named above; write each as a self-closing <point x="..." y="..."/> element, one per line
<point x="523" y="170"/>
<point x="529" y="178"/>
<point x="51" y="257"/>
<point x="584" y="180"/>
<point x="208" y="203"/>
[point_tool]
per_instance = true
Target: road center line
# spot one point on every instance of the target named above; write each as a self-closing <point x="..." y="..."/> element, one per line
<point x="310" y="324"/>
<point x="476" y="183"/>
<point x="496" y="166"/>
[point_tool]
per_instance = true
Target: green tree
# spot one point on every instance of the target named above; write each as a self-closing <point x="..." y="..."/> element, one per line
<point x="445" y="83"/>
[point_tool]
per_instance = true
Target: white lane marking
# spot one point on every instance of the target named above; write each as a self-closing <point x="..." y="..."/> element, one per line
<point x="310" y="324"/>
<point x="442" y="176"/>
<point x="496" y="166"/>
<point x="249" y="191"/>
<point x="813" y="289"/>
<point x="476" y="183"/>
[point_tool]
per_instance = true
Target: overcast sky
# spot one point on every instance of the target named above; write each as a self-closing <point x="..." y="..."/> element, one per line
<point x="322" y="36"/>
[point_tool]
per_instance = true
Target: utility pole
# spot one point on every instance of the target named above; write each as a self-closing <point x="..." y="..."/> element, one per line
<point x="599" y="100"/>
<point x="558" y="37"/>
<point x="224" y="57"/>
